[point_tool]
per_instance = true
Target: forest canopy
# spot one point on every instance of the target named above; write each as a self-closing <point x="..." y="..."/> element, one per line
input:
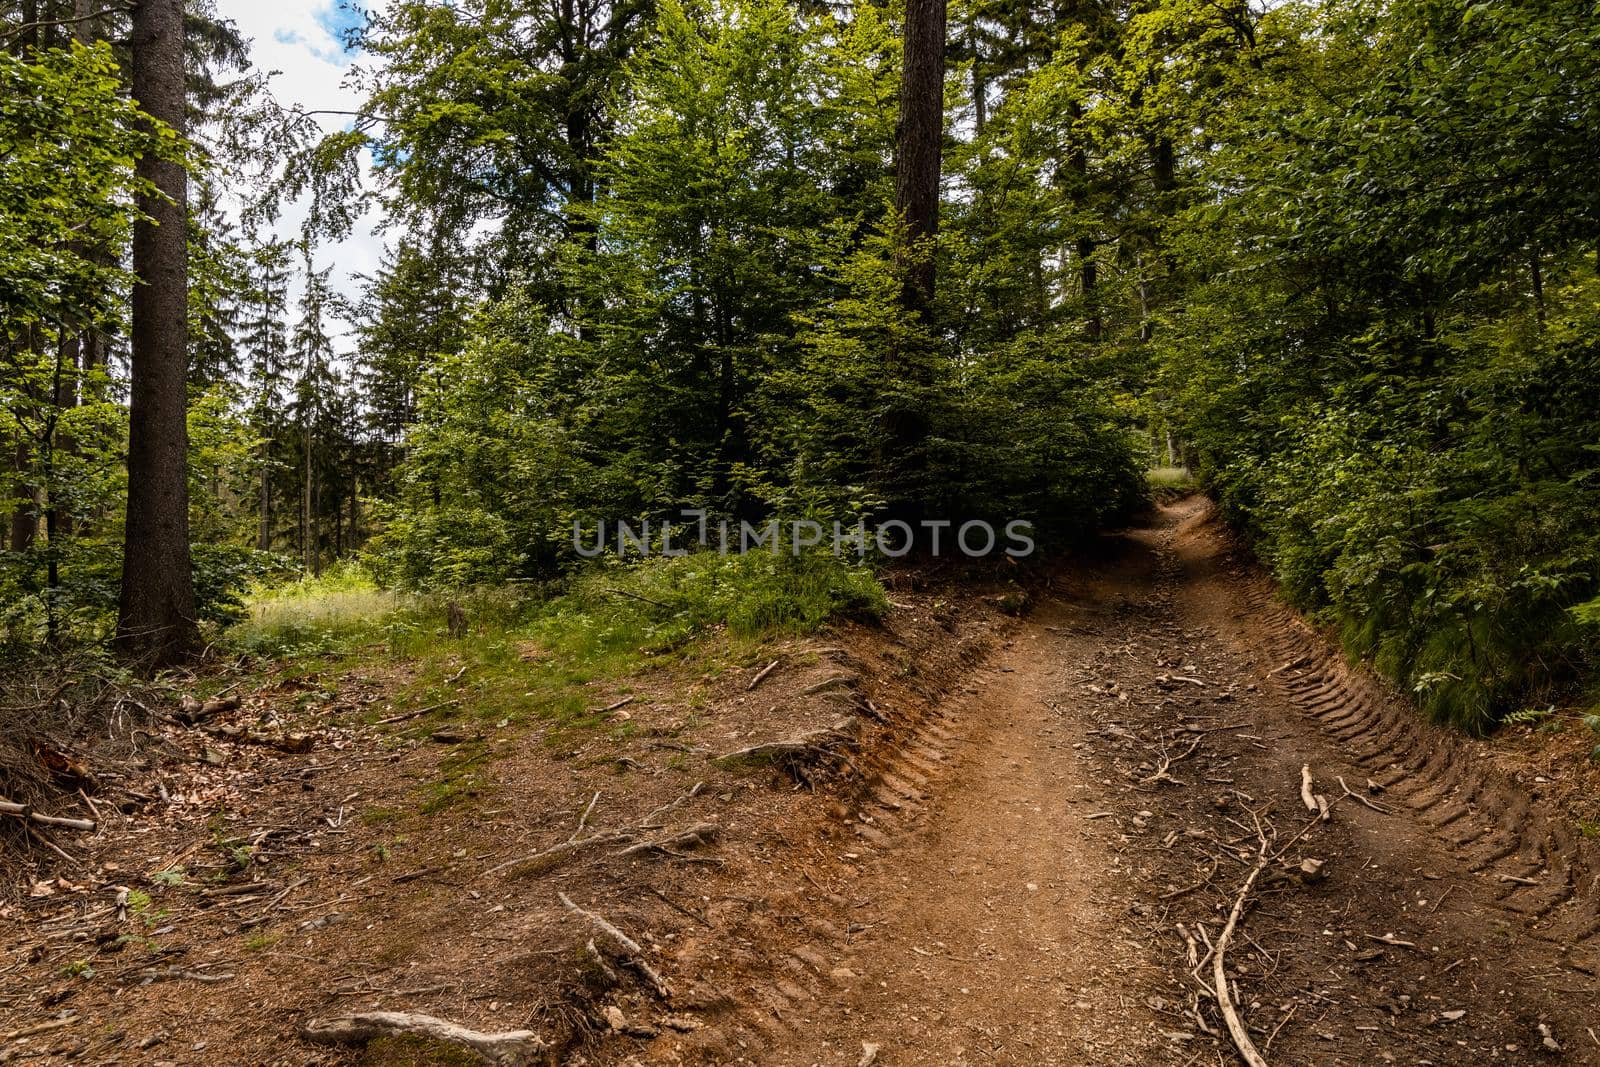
<point x="1339" y="257"/>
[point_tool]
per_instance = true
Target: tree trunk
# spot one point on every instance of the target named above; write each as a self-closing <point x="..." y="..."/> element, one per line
<point x="980" y="84"/>
<point x="920" y="140"/>
<point x="264" y="533"/>
<point x="25" y="518"/>
<point x="156" y="618"/>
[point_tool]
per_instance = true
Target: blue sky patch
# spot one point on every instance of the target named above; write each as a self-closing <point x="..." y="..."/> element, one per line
<point x="342" y="18"/>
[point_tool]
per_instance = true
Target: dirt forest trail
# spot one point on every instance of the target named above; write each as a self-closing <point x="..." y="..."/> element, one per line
<point x="1077" y="822"/>
<point x="989" y="839"/>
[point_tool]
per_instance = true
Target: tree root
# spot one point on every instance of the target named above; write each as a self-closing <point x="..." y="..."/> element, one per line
<point x="796" y="755"/>
<point x="701" y="833"/>
<point x="632" y="953"/>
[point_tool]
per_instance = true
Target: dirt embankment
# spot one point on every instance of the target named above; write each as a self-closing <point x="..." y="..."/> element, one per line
<point x="957" y="839"/>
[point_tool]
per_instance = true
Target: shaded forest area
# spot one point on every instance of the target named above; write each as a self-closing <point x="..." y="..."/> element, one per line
<point x="754" y="258"/>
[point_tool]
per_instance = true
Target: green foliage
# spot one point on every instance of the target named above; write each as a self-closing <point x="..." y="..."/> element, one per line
<point x="336" y="609"/>
<point x="659" y="604"/>
<point x="1388" y="361"/>
<point x="731" y="335"/>
<point x="68" y="143"/>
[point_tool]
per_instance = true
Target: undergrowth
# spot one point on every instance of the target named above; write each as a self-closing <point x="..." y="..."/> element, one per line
<point x="535" y="653"/>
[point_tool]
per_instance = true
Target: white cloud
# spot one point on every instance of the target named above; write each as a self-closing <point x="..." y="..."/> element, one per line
<point x="296" y="40"/>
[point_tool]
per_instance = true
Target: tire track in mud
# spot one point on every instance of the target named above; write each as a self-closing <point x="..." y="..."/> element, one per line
<point x="1464" y="864"/>
<point x="1540" y="869"/>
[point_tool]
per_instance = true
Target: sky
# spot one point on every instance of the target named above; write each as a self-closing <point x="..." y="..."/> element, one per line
<point x="299" y="39"/>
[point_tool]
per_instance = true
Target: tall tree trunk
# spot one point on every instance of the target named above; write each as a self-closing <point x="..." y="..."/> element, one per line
<point x="920" y="139"/>
<point x="980" y="83"/>
<point x="156" y="618"/>
<point x="355" y="506"/>
<point x="308" y="535"/>
<point x="25" y="517"/>
<point x="264" y="534"/>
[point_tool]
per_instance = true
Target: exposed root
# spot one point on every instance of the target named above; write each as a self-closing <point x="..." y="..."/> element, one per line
<point x="702" y="833"/>
<point x="632" y="953"/>
<point x="797" y="755"/>
<point x="539" y="862"/>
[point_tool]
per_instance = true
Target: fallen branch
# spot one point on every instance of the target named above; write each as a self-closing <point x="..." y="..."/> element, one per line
<point x="159" y="974"/>
<point x="761" y="676"/>
<point x="1162" y="775"/>
<point x="1219" y="974"/>
<point x="1353" y="795"/>
<point x="1315" y="802"/>
<point x="511" y="1048"/>
<point x="25" y="811"/>
<point x="419" y="712"/>
<point x="1166" y="679"/>
<point x="631" y="949"/>
<point x="39" y="1028"/>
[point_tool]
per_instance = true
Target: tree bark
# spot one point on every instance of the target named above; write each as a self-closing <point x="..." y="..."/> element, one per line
<point x="264" y="534"/>
<point x="25" y="517"/>
<point x="156" y="618"/>
<point x="920" y="141"/>
<point x="309" y="531"/>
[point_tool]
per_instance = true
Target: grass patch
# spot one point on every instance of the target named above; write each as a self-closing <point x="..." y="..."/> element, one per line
<point x="1171" y="478"/>
<point x="315" y="614"/>
<point x="548" y="655"/>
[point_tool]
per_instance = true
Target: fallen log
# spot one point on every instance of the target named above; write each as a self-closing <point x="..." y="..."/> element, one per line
<point x="192" y="711"/>
<point x="510" y="1048"/>
<point x="293" y="742"/>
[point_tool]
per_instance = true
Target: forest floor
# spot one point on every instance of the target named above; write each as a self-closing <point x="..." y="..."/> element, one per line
<point x="993" y="840"/>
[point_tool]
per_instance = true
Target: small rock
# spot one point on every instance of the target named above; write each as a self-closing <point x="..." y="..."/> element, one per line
<point x="615" y="1019"/>
<point x="1453" y="1016"/>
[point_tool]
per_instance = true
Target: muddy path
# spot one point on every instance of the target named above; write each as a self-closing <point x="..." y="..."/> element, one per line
<point x="1064" y="840"/>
